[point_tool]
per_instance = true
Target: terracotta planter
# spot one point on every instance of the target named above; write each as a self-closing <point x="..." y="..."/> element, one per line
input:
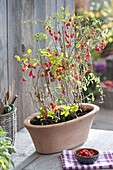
<point x="54" y="138"/>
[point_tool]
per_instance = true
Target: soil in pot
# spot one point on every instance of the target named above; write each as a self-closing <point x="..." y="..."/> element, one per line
<point x="47" y="120"/>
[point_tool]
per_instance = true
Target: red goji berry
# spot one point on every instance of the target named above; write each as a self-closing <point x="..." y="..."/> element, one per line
<point x="24" y="79"/>
<point x="30" y="73"/>
<point x="63" y="91"/>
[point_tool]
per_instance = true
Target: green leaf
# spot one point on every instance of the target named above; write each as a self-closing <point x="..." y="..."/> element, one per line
<point x="67" y="12"/>
<point x="25" y="55"/>
<point x="18" y="58"/>
<point x="65" y="113"/>
<point x="24" y="59"/>
<point x="74" y="108"/>
<point x="50" y="42"/>
<point x="35" y="22"/>
<point x="84" y="87"/>
<point x="29" y="51"/>
<point x="58" y="101"/>
<point x="65" y="107"/>
<point x="5" y="147"/>
<point x="78" y="45"/>
<point x="32" y="59"/>
<point x="3" y="165"/>
<point x="50" y="113"/>
<point x="62" y="8"/>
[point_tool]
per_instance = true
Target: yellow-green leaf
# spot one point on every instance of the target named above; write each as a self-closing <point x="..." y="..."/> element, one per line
<point x="18" y="58"/>
<point x="62" y="8"/>
<point x="24" y="59"/>
<point x="74" y="108"/>
<point x="50" y="42"/>
<point x="66" y="107"/>
<point x="35" y="22"/>
<point x="29" y="51"/>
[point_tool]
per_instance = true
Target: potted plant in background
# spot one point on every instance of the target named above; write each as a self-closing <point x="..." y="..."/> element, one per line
<point x="8" y="115"/>
<point x="59" y="79"/>
<point x="5" y="148"/>
<point x="102" y="10"/>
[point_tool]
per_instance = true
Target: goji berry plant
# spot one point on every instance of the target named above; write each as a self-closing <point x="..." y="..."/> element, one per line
<point x="59" y="70"/>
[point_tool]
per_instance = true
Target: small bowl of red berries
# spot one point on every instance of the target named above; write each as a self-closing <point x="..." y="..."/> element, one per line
<point x="86" y="155"/>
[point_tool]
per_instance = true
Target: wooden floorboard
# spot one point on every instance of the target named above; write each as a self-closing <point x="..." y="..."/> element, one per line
<point x="26" y="157"/>
<point x="53" y="162"/>
<point x="25" y="150"/>
<point x="29" y="160"/>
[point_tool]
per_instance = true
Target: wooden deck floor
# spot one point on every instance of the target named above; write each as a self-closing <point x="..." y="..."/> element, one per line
<point x="27" y="158"/>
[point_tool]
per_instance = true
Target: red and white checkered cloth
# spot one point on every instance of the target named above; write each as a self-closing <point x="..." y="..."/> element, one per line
<point x="69" y="161"/>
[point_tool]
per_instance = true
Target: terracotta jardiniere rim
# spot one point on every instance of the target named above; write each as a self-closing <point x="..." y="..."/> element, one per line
<point x="94" y="108"/>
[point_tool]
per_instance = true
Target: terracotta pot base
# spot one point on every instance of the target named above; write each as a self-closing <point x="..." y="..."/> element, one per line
<point x="57" y="137"/>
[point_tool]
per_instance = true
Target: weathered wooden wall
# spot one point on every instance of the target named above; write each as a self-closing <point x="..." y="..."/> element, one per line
<point x="3" y="47"/>
<point x="16" y="37"/>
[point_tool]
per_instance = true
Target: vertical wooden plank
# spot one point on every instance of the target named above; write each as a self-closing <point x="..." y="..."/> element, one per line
<point x="14" y="47"/>
<point x="17" y="35"/>
<point x="51" y="7"/>
<point x="3" y="48"/>
<point x="70" y="4"/>
<point x="59" y="4"/>
<point x="27" y="41"/>
<point x="39" y="14"/>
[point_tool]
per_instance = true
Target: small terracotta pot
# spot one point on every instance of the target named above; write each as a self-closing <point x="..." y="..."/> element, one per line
<point x="57" y="137"/>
